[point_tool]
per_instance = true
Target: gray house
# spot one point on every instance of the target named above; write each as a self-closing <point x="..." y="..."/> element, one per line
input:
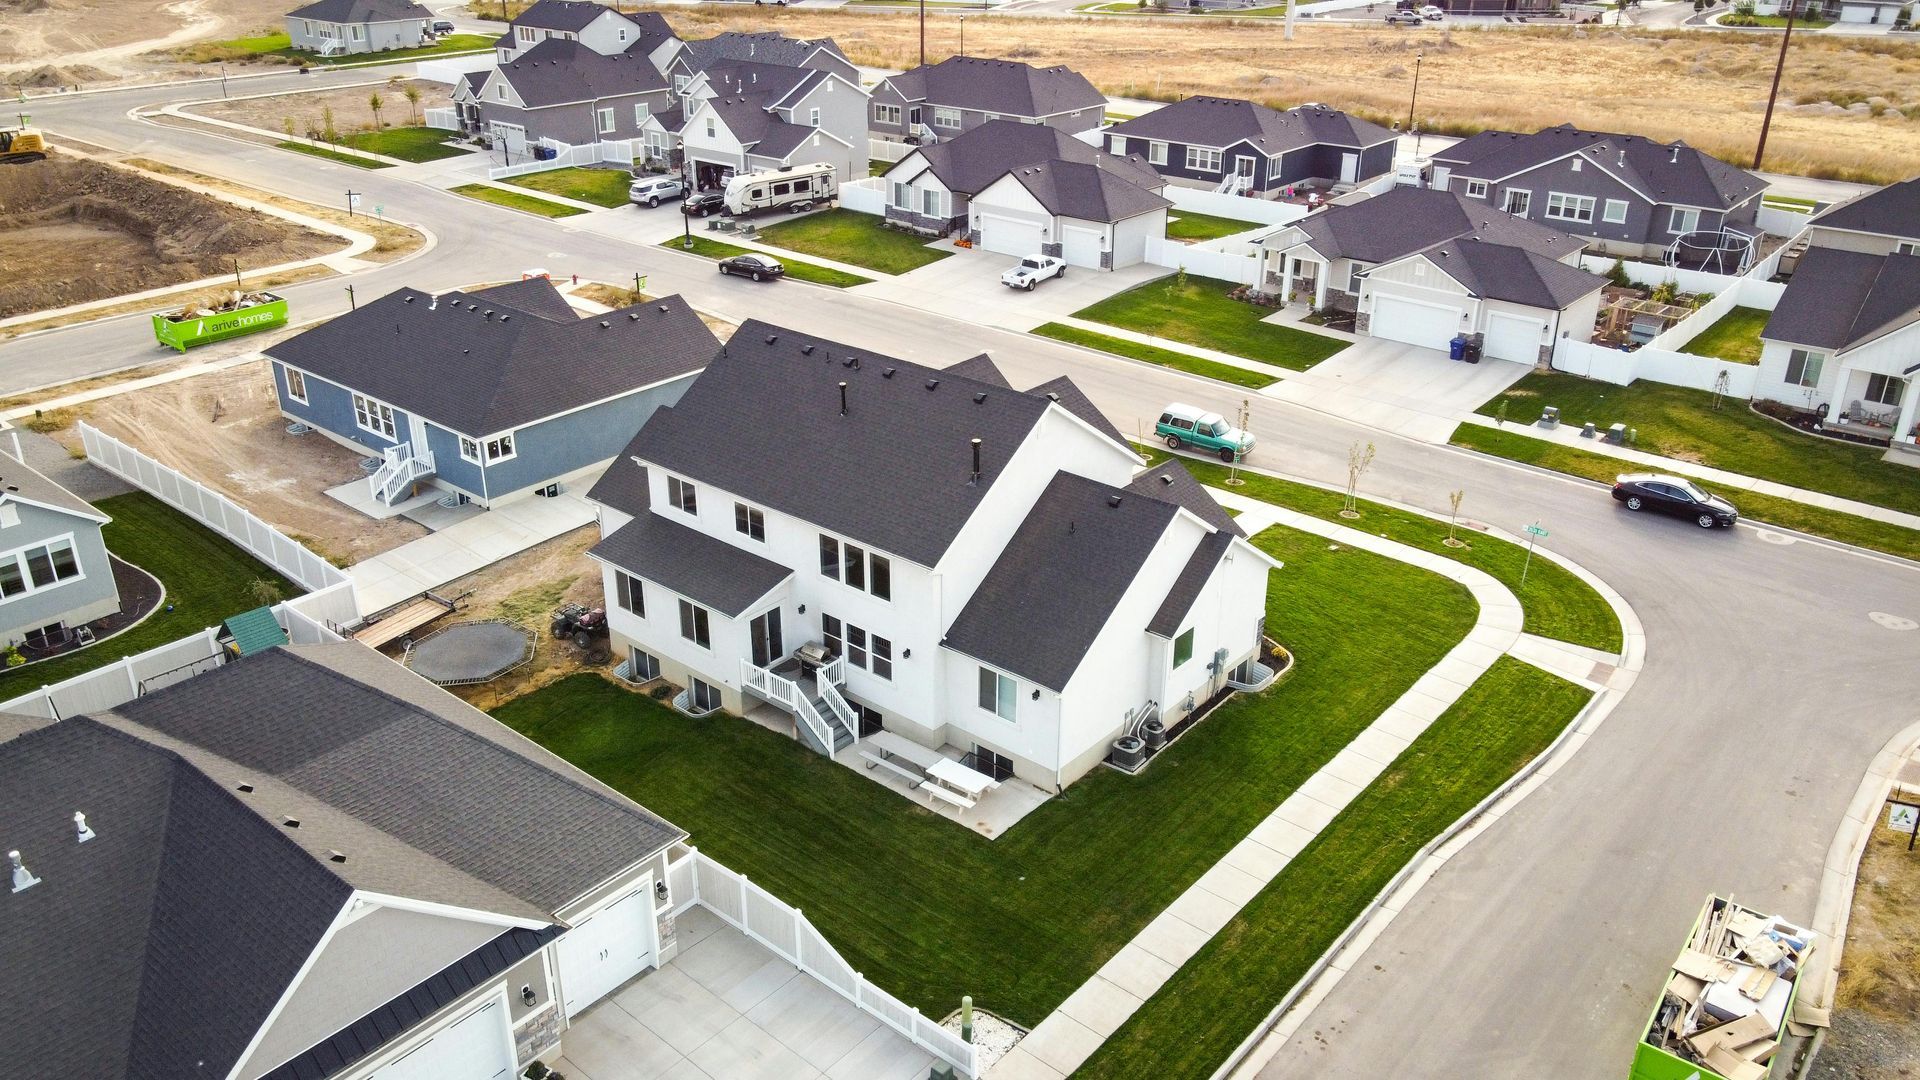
<point x="958" y="94"/>
<point x="929" y="189"/>
<point x="765" y="47"/>
<point x="1843" y="343"/>
<point x="1245" y="148"/>
<point x="743" y="116"/>
<point x="1885" y="221"/>
<point x="1634" y="196"/>
<point x="565" y="91"/>
<point x="334" y="27"/>
<point x="54" y="569"/>
<point x="594" y="25"/>
<point x="490" y="394"/>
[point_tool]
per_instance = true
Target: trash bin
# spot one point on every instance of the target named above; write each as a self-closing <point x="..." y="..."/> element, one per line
<point x="1473" y="349"/>
<point x="1457" y="348"/>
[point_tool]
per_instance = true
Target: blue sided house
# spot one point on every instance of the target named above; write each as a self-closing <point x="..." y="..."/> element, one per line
<point x="489" y="394"/>
<point x="54" y="569"/>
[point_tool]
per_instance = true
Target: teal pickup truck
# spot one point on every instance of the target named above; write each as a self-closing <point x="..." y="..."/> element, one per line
<point x="253" y="313"/>
<point x="1185" y="425"/>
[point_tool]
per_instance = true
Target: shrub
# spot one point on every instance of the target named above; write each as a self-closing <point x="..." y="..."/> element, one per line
<point x="1617" y="274"/>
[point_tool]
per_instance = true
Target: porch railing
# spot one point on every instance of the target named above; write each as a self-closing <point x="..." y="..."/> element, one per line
<point x="399" y="467"/>
<point x="786" y="693"/>
<point x="843" y="711"/>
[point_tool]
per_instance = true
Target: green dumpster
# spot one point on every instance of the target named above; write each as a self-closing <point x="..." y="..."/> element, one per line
<point x="184" y="331"/>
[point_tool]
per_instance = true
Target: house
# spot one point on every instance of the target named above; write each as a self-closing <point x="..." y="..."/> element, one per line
<point x="939" y="101"/>
<point x="336" y="27"/>
<point x="1634" y="197"/>
<point x="597" y="26"/>
<point x="1844" y="341"/>
<point x="1881" y="12"/>
<point x="488" y="394"/>
<point x="1245" y="148"/>
<point x="54" y="570"/>
<point x="1420" y="265"/>
<point x="931" y="187"/>
<point x="1098" y="214"/>
<point x="764" y="47"/>
<point x="1884" y="221"/>
<point x="982" y="561"/>
<point x="311" y="863"/>
<point x="562" y="91"/>
<point x="741" y="116"/>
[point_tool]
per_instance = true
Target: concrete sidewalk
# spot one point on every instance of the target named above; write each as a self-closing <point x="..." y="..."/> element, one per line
<point x="459" y="550"/>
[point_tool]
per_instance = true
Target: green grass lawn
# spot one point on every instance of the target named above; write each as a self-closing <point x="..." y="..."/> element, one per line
<point x="1201" y="313"/>
<point x="796" y="269"/>
<point x="1776" y="22"/>
<point x="207" y="579"/>
<point x="931" y="911"/>
<point x="1154" y="355"/>
<point x="405" y="143"/>
<point x="1187" y="225"/>
<point x="601" y="187"/>
<point x="1557" y="603"/>
<point x="513" y="200"/>
<point x="1509" y="716"/>
<point x="452" y="43"/>
<point x="331" y="154"/>
<point x="1846" y="528"/>
<point x="849" y="236"/>
<point x="1788" y="202"/>
<point x="1734" y="337"/>
<point x="1679" y="423"/>
<point x="876" y="167"/>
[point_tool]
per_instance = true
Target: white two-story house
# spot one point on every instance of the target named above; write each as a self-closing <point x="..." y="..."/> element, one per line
<point x="981" y="565"/>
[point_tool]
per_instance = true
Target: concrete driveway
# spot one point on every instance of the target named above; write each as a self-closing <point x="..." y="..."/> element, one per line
<point x="966" y="285"/>
<point x="1405" y="389"/>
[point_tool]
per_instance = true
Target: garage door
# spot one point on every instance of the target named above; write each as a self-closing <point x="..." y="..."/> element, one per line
<point x="1008" y="236"/>
<point x="1513" y="337"/>
<point x="607" y="949"/>
<point x="1413" y="322"/>
<point x="475" y="1047"/>
<point x="1082" y="247"/>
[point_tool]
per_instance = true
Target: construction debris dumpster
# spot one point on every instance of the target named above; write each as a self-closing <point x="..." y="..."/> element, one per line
<point x="1724" y="1009"/>
<point x="236" y="314"/>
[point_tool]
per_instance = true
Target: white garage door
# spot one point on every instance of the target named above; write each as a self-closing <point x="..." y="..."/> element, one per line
<point x="1082" y="247"/>
<point x="1009" y="236"/>
<point x="607" y="948"/>
<point x="1513" y="337"/>
<point x="475" y="1047"/>
<point x="1413" y="322"/>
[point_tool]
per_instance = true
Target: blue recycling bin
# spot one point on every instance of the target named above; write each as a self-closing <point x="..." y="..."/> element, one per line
<point x="1457" y="348"/>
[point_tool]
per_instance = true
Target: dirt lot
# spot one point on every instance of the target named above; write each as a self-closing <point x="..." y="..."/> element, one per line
<point x="1874" y="1035"/>
<point x="615" y="296"/>
<point x="224" y="430"/>
<point x="72" y="231"/>
<point x="63" y="42"/>
<point x="349" y="105"/>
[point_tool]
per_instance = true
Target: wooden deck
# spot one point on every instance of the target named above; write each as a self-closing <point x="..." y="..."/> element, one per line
<point x="403" y="620"/>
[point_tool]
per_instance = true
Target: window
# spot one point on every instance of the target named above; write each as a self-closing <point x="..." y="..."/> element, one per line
<point x="297" y="386"/>
<point x="1116" y="144"/>
<point x="930" y="202"/>
<point x="1476" y="189"/>
<point x="356" y="29"/>
<point x="946" y="118"/>
<point x="500" y="91"/>
<point x="882" y="657"/>
<point x="856" y="646"/>
<point x="813" y="117"/>
<point x="469" y="450"/>
<point x="1803" y="367"/>
<point x="702" y="696"/>
<point x="749" y="522"/>
<point x="623" y="33"/>
<point x="680" y="84"/>
<point x="853" y="563"/>
<point x="627" y="592"/>
<point x="902" y="196"/>
<point x="711" y="130"/>
<point x="1183" y="648"/>
<point x="864" y="650"/>
<point x="1574" y="166"/>
<point x="606" y="121"/>
<point x="1885" y="389"/>
<point x="1518" y="201"/>
<point x="640" y="111"/>
<point x="880" y="577"/>
<point x="1907" y="247"/>
<point x="681" y="494"/>
<point x="886" y="114"/>
<point x="1569" y="207"/>
<point x="1683" y="220"/>
<point x="829" y="557"/>
<point x="500" y="449"/>
<point x="9" y="515"/>
<point x="1201" y="159"/>
<point x="693" y="624"/>
<point x="996" y="693"/>
<point x="1156" y="153"/>
<point x="373" y="416"/>
<point x="1616" y="213"/>
<point x="994" y="764"/>
<point x="39" y="567"/>
<point x="645" y="665"/>
<point x="830" y="635"/>
<point x="526" y="33"/>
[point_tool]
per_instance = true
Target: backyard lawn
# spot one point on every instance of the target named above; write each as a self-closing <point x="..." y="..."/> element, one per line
<point x="930" y="910"/>
<point x="1187" y="225"/>
<point x="207" y="579"/>
<point x="849" y="236"/>
<point x="1210" y="369"/>
<point x="1199" y="312"/>
<point x="1734" y="336"/>
<point x="799" y="271"/>
<point x="331" y="154"/>
<point x="601" y="187"/>
<point x="513" y="200"/>
<point x="1679" y="423"/>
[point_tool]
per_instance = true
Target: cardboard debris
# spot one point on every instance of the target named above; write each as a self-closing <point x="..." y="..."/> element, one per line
<point x="1732" y="1066"/>
<point x="1703" y="967"/>
<point x="1758" y="982"/>
<point x="1727" y="997"/>
<point x="1737" y="1033"/>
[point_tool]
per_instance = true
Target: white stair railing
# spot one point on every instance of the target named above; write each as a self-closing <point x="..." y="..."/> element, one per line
<point x="399" y="467"/>
<point x="786" y="693"/>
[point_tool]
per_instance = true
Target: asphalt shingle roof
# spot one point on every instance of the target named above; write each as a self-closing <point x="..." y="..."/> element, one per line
<point x="1513" y="274"/>
<point x="1090" y="191"/>
<point x="765" y="47"/>
<point x="362" y="11"/>
<point x="967" y="163"/>
<point x="1056" y="583"/>
<point x="573" y="16"/>
<point x="1007" y="87"/>
<point x="705" y="569"/>
<point x="22" y="481"/>
<point x="1186" y="587"/>
<point x="981" y="368"/>
<point x="560" y="72"/>
<point x="480" y="365"/>
<point x="1171" y="482"/>
<point x="1662" y="172"/>
<point x="1840" y="299"/>
<point x="1891" y="211"/>
<point x="623" y="486"/>
<point x="747" y="94"/>
<point x="1074" y="400"/>
<point x="1402" y="220"/>
<point x="1221" y="122"/>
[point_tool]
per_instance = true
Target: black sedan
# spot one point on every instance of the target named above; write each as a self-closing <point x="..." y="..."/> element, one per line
<point x="707" y="202"/>
<point x="757" y="267"/>
<point x="1675" y="495"/>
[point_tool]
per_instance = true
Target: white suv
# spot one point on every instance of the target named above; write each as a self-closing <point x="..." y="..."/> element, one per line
<point x="654" y="190"/>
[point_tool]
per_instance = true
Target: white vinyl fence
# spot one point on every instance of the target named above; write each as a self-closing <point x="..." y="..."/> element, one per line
<point x="1746" y="292"/>
<point x="888" y="150"/>
<point x="868" y="195"/>
<point x="1241" y="269"/>
<point x="566" y="155"/>
<point x="1655" y="365"/>
<point x="443" y="119"/>
<point x="1239" y="207"/>
<point x="757" y="913"/>
<point x="1782" y="220"/>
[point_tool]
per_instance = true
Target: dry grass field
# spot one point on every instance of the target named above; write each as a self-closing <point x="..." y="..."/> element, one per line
<point x="1705" y="88"/>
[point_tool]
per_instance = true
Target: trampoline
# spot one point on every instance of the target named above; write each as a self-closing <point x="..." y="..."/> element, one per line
<point x="469" y="653"/>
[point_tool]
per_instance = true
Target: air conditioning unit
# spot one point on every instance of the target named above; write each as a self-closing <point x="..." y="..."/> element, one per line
<point x="1129" y="752"/>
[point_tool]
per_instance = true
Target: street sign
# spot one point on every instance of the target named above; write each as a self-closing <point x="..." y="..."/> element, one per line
<point x="1535" y="530"/>
<point x="1902" y="817"/>
<point x="380" y="210"/>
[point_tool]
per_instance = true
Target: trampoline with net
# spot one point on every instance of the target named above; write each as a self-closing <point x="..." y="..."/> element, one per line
<point x="469" y="653"/>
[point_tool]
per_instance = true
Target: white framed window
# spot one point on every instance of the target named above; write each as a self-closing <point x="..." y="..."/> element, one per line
<point x="500" y="91"/>
<point x="623" y="33"/>
<point x="1907" y="247"/>
<point x="356" y="31"/>
<point x="749" y="522"/>
<point x="373" y="416"/>
<point x="680" y="84"/>
<point x="1156" y="153"/>
<point x="1518" y="202"/>
<point x="813" y="117"/>
<point x="886" y="114"/>
<point x="712" y="129"/>
<point x="469" y="449"/>
<point x="1116" y="144"/>
<point x="1201" y="159"/>
<point x="902" y="196"/>
<point x="1574" y="165"/>
<point x="500" y="448"/>
<point x="1476" y="189"/>
<point x="606" y="121"/>
<point x="1182" y="649"/>
<point x="1884" y="389"/>
<point x="945" y="117"/>
<point x="879" y="576"/>
<point x="681" y="494"/>
<point x="9" y="515"/>
<point x="526" y="33"/>
<point x="861" y="647"/>
<point x="629" y="593"/>
<point x="1803" y="367"/>
<point x="997" y="693"/>
<point x="930" y="202"/>
<point x="297" y="385"/>
<point x="693" y="624"/>
<point x="1616" y="212"/>
<point x="1683" y="219"/>
<point x="640" y="111"/>
<point x="829" y="557"/>
<point x="1564" y="207"/>
<point x="42" y="566"/>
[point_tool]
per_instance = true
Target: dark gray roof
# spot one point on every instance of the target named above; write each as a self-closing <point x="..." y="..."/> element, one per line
<point x="1186" y="587"/>
<point x="1171" y="482"/>
<point x="1890" y="211"/>
<point x="559" y="71"/>
<point x="1840" y="299"/>
<point x="981" y="368"/>
<point x="747" y="94"/>
<point x="705" y="569"/>
<point x="1403" y="220"/>
<point x="535" y="296"/>
<point x="969" y="162"/>
<point x="1106" y="190"/>
<point x="1007" y="87"/>
<point x="362" y="11"/>
<point x="22" y="481"/>
<point x="446" y="360"/>
<point x="893" y="473"/>
<point x="1661" y="172"/>
<point x="623" y="486"/>
<point x="1075" y="401"/>
<point x="1221" y="122"/>
<point x="1055" y="584"/>
<point x="573" y="16"/>
<point x="1513" y="274"/>
<point x="764" y="47"/>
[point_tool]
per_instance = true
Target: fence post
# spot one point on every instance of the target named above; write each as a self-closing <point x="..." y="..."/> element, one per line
<point x="133" y="681"/>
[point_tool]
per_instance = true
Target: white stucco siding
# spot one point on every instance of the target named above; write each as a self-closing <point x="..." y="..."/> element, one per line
<point x="1032" y="738"/>
<point x="1844" y="240"/>
<point x="1130" y="237"/>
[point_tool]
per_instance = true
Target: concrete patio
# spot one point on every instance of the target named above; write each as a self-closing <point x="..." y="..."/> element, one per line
<point x="966" y="285"/>
<point x="726" y="1008"/>
<point x="466" y="546"/>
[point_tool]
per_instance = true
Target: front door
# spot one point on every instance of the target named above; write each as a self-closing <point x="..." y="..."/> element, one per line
<point x="1243" y="166"/>
<point x="765" y="633"/>
<point x="1349" y="168"/>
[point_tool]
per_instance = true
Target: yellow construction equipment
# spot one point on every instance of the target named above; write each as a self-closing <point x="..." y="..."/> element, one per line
<point x="19" y="145"/>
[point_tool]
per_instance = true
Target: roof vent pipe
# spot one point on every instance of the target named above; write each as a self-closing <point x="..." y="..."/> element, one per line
<point x="1113" y="501"/>
<point x="843" y="399"/>
<point x="975" y="478"/>
<point x="23" y="878"/>
<point x="80" y="828"/>
<point x="1675" y="159"/>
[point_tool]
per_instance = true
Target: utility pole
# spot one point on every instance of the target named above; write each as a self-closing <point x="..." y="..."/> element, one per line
<point x="351" y="304"/>
<point x="1415" y="100"/>
<point x="1779" y="66"/>
<point x="223" y="78"/>
<point x="963" y="35"/>
<point x="923" y="33"/>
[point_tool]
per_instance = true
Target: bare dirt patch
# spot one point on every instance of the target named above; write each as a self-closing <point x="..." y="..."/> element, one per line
<point x="351" y="111"/>
<point x="74" y="231"/>
<point x="52" y="43"/>
<point x="1874" y="1036"/>
<point x="392" y="240"/>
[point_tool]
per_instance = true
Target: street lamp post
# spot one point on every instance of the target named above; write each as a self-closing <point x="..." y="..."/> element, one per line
<point x="1414" y="101"/>
<point x="1779" y="66"/>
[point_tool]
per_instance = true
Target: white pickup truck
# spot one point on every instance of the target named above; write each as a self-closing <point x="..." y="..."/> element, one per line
<point x="1033" y="270"/>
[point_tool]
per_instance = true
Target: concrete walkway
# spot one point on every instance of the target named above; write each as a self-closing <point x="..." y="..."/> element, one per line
<point x="459" y="550"/>
<point x="1063" y="1041"/>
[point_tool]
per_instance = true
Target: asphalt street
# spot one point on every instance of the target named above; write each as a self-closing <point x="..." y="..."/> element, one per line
<point x="1540" y="948"/>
